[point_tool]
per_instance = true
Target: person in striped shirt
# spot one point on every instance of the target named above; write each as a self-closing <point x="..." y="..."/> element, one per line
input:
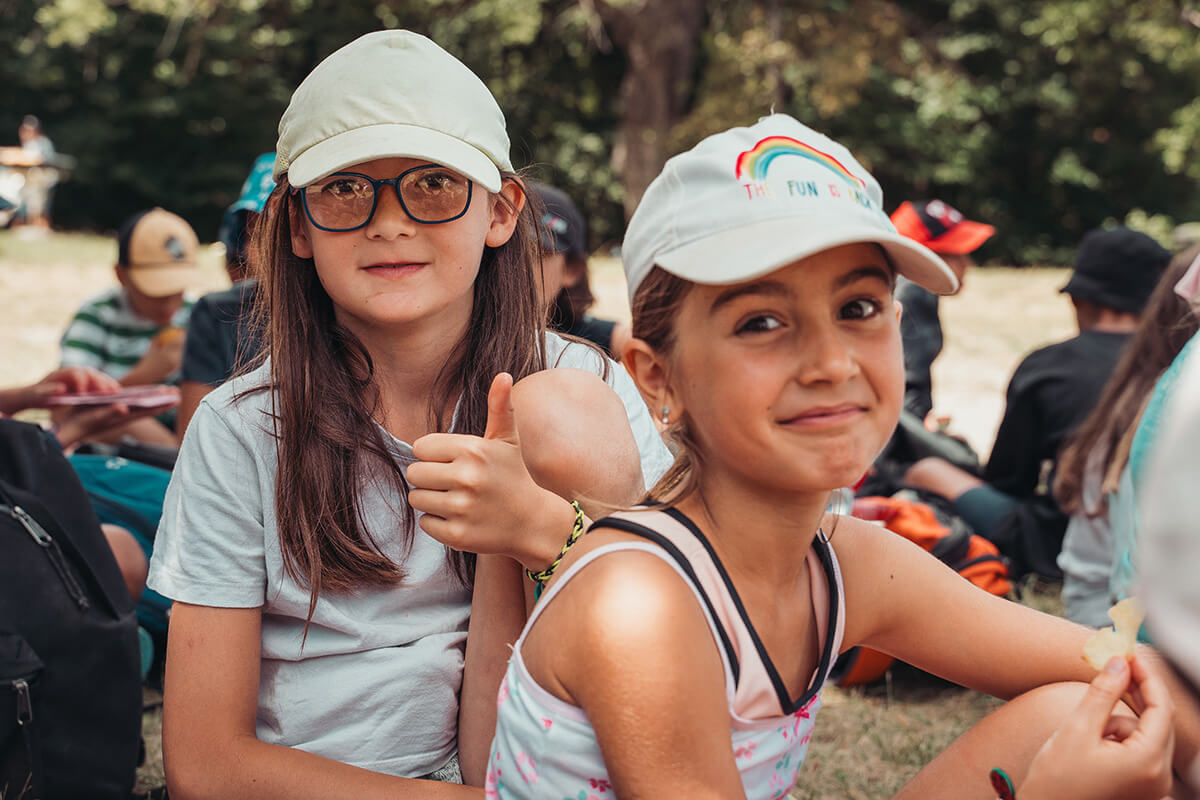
<point x="134" y="331"/>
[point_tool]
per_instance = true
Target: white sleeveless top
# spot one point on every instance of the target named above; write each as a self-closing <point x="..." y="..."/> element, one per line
<point x="545" y="747"/>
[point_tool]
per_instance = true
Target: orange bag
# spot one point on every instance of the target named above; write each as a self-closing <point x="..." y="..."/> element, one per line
<point x="973" y="557"/>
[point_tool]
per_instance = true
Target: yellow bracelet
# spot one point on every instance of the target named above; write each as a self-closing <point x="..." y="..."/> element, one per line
<point x="541" y="577"/>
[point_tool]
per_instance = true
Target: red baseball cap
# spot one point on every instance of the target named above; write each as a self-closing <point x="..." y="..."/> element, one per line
<point x="941" y="227"/>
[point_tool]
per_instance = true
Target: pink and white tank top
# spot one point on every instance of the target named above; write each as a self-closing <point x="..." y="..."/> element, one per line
<point x="545" y="747"/>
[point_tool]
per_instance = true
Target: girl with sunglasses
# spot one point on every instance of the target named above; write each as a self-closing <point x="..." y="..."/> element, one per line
<point x="320" y="630"/>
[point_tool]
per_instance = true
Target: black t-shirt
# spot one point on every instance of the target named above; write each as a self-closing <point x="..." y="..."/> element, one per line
<point x="1050" y="394"/>
<point x="219" y="325"/>
<point x="921" y="331"/>
<point x="596" y="331"/>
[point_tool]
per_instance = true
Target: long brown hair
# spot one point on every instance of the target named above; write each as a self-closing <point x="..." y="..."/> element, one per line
<point x="1165" y="326"/>
<point x="324" y="397"/>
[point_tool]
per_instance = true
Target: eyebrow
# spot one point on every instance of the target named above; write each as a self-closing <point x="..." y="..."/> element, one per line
<point x="775" y="288"/>
<point x="780" y="289"/>
<point x="862" y="273"/>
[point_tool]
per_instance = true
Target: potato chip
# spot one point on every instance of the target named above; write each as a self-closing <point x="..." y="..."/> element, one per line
<point x="1119" y="639"/>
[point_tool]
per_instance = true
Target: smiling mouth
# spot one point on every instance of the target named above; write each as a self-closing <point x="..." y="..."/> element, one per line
<point x="394" y="268"/>
<point x="825" y="415"/>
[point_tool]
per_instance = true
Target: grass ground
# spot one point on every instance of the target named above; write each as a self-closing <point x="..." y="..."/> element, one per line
<point x="869" y="740"/>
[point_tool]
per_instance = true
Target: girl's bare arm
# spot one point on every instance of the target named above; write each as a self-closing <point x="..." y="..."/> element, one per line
<point x="905" y="602"/>
<point x="497" y="616"/>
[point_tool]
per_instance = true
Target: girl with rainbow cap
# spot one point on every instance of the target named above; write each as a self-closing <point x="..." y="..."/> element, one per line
<point x="319" y="639"/>
<point x="681" y="648"/>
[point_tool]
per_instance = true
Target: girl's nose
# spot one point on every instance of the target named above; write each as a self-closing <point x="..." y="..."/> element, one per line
<point x="390" y="219"/>
<point x="827" y="356"/>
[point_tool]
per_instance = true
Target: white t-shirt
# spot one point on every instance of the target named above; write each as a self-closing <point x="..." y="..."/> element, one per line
<point x="376" y="682"/>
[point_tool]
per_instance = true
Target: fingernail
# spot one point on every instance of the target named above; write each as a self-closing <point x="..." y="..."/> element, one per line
<point x="1115" y="665"/>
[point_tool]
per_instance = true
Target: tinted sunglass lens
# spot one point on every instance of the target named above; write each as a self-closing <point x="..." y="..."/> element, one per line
<point x="434" y="194"/>
<point x="342" y="202"/>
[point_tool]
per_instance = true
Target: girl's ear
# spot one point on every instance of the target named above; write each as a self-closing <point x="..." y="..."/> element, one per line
<point x="899" y="310"/>
<point x="505" y="214"/>
<point x="650" y="374"/>
<point x="301" y="239"/>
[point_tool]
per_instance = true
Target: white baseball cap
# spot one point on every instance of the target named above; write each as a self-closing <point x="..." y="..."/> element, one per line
<point x="748" y="201"/>
<point x="392" y="94"/>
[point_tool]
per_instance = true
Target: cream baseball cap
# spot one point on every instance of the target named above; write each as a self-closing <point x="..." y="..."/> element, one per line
<point x="388" y="94"/>
<point x="158" y="249"/>
<point x="748" y="201"/>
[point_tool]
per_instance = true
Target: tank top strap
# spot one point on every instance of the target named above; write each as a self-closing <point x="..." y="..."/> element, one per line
<point x="681" y="567"/>
<point x="760" y="692"/>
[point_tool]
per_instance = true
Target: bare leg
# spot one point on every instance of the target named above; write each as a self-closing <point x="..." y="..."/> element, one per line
<point x="130" y="558"/>
<point x="1007" y="738"/>
<point x="940" y="476"/>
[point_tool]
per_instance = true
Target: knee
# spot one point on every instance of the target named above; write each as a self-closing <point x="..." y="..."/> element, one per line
<point x="940" y="476"/>
<point x="131" y="560"/>
<point x="575" y="437"/>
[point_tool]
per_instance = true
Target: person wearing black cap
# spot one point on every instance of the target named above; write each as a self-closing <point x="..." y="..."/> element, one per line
<point x="1051" y="392"/>
<point x="565" y="290"/>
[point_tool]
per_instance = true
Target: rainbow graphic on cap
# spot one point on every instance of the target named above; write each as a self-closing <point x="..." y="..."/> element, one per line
<point x="755" y="162"/>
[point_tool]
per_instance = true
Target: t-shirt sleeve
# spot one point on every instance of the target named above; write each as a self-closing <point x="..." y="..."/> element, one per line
<point x="210" y="544"/>
<point x="202" y="359"/>
<point x="656" y="458"/>
<point x="81" y="343"/>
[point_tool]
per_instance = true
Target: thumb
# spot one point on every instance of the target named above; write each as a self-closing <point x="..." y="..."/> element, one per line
<point x="1104" y="692"/>
<point x="501" y="421"/>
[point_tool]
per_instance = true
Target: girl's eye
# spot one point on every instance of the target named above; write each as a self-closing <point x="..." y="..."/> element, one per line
<point x="343" y="188"/>
<point x="436" y="181"/>
<point x="762" y="323"/>
<point x="861" y="308"/>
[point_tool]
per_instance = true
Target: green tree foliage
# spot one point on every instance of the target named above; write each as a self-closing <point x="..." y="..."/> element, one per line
<point x="1046" y="117"/>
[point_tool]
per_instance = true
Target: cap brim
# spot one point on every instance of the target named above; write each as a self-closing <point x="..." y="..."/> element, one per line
<point x="160" y="281"/>
<point x="965" y="237"/>
<point x="392" y="141"/>
<point x="709" y="260"/>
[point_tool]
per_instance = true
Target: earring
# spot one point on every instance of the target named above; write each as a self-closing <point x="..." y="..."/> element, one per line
<point x="666" y="415"/>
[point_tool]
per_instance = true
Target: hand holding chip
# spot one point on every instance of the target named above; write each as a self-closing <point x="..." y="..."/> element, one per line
<point x="1102" y="755"/>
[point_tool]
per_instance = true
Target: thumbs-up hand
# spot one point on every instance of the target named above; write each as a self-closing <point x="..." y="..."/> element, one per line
<point x="476" y="492"/>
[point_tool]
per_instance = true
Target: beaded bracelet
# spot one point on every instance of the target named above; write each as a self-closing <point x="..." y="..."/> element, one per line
<point x="541" y="577"/>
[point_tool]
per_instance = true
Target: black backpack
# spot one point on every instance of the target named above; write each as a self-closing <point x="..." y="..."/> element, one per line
<point x="70" y="679"/>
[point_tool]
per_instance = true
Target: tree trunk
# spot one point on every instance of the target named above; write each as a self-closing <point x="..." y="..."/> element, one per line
<point x="659" y="39"/>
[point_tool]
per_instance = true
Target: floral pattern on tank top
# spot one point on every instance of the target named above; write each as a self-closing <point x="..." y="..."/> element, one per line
<point x="768" y="759"/>
<point x="546" y="748"/>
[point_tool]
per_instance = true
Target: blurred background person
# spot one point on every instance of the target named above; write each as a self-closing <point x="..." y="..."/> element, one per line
<point x="220" y="337"/>
<point x="565" y="289"/>
<point x="944" y="230"/>
<point x="135" y="331"/>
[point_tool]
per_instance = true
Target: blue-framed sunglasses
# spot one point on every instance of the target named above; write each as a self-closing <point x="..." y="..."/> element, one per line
<point x="346" y="201"/>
